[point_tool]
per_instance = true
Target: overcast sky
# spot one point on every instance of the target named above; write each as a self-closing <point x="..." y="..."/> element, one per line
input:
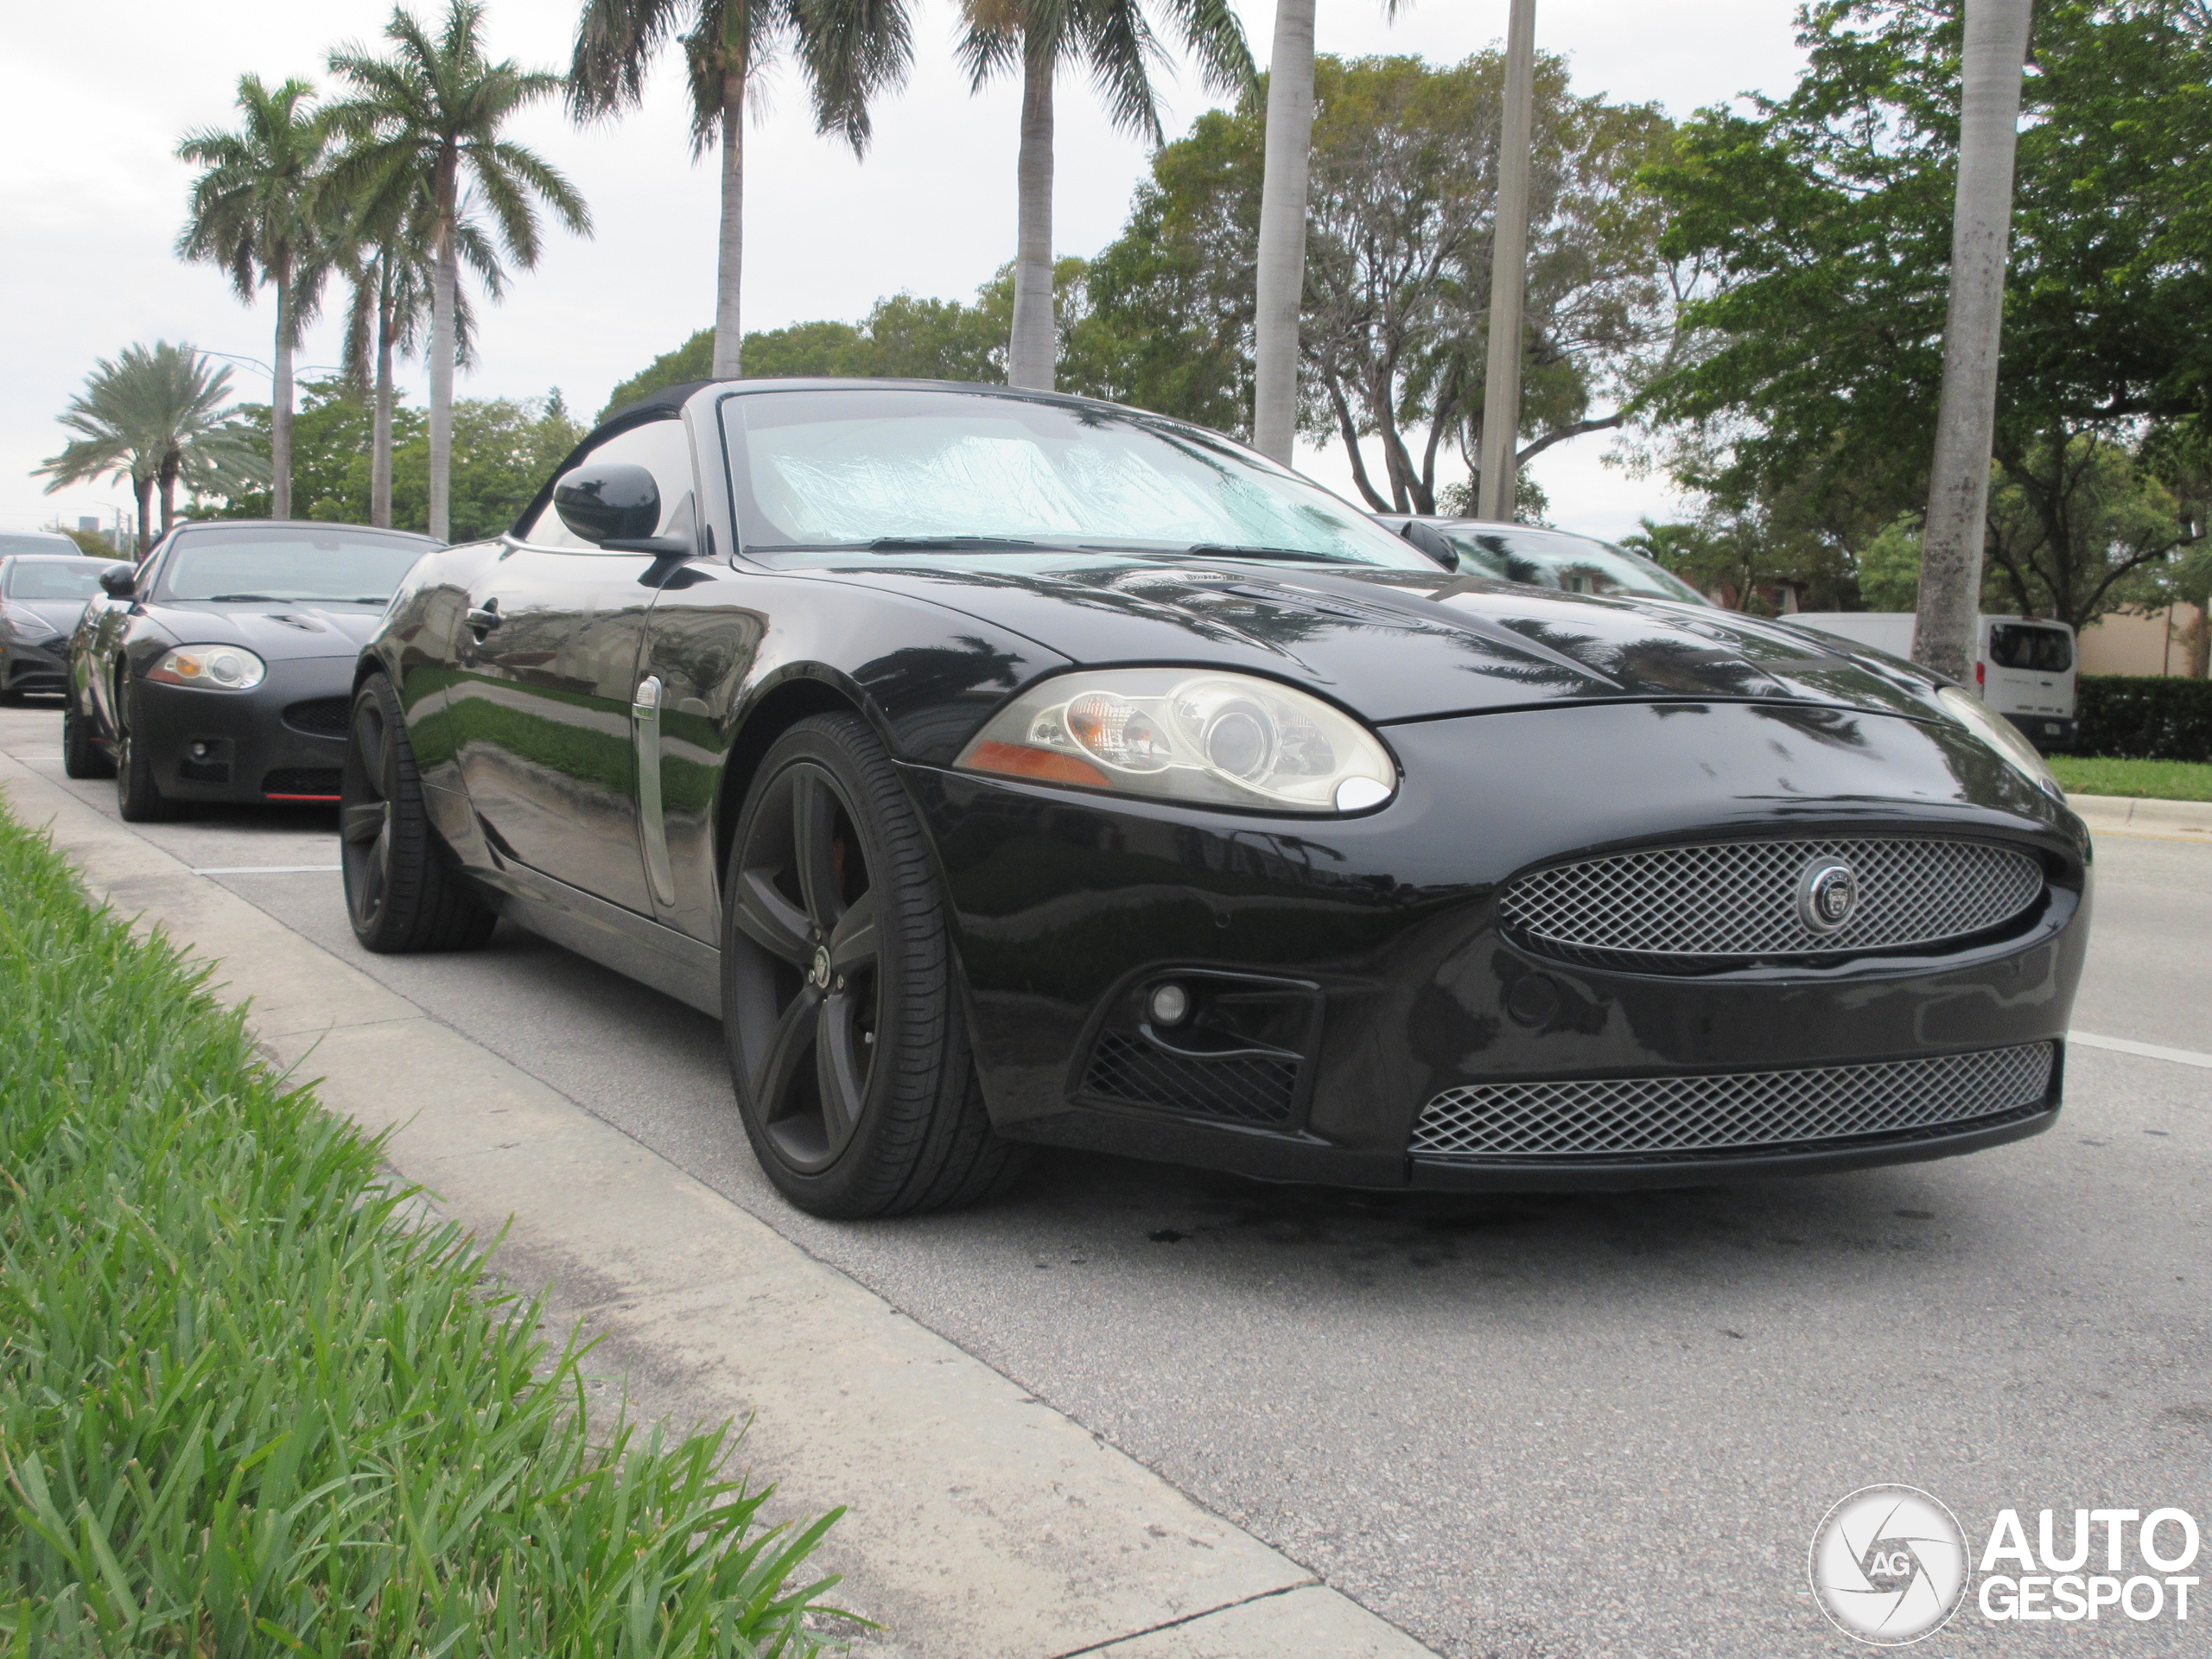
<point x="94" y="195"/>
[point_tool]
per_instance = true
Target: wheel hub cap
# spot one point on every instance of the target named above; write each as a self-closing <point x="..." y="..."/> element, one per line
<point x="820" y="974"/>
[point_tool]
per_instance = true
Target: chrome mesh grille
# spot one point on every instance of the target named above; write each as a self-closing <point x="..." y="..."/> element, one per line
<point x="1718" y="1112"/>
<point x="1739" y="898"/>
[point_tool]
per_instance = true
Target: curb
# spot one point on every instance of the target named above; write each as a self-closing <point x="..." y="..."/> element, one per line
<point x="982" y="1523"/>
<point x="2143" y="816"/>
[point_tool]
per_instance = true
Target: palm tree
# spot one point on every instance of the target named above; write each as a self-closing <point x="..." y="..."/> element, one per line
<point x="156" y="417"/>
<point x="390" y="270"/>
<point x="1281" y="273"/>
<point x="423" y="136"/>
<point x="254" y="213"/>
<point x="1114" y="40"/>
<point x="849" y="51"/>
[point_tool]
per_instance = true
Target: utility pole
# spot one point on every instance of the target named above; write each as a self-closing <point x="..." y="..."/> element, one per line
<point x="1281" y="252"/>
<point x="1508" y="271"/>
<point x="1944" y="632"/>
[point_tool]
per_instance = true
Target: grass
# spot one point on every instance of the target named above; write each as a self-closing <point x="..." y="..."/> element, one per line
<point x="2164" y="780"/>
<point x="244" y="1410"/>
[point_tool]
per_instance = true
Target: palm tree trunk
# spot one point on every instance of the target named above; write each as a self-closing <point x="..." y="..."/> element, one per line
<point x="380" y="429"/>
<point x="1944" y="636"/>
<point x="142" y="486"/>
<point x="1032" y="349"/>
<point x="280" y="410"/>
<point x="730" y="332"/>
<point x="1282" y="232"/>
<point x="170" y="462"/>
<point x="1496" y="487"/>
<point x="444" y="278"/>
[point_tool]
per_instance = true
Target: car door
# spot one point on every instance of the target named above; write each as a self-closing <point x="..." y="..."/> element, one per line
<point x="546" y="661"/>
<point x="104" y="630"/>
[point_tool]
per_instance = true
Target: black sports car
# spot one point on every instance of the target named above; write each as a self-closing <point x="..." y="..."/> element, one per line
<point x="1005" y="768"/>
<point x="221" y="668"/>
<point x="41" y="596"/>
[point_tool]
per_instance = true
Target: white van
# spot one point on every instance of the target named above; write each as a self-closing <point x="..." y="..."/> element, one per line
<point x="2023" y="667"/>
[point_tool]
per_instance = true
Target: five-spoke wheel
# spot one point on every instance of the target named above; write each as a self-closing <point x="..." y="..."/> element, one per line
<point x="847" y="1043"/>
<point x="400" y="896"/>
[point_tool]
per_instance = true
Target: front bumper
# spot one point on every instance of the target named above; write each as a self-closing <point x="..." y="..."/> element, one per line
<point x="35" y="668"/>
<point x="2049" y="734"/>
<point x="1370" y="975"/>
<point x="285" y="740"/>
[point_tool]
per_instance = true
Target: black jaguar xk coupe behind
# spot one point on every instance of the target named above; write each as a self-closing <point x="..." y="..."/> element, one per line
<point x="221" y="668"/>
<point x="1006" y="769"/>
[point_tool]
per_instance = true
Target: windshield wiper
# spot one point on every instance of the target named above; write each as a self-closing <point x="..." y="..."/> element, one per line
<point x="1231" y="550"/>
<point x="241" y="598"/>
<point x="926" y="543"/>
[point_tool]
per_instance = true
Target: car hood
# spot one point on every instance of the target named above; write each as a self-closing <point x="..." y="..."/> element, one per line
<point x="274" y="630"/>
<point x="59" y="614"/>
<point x="1399" y="645"/>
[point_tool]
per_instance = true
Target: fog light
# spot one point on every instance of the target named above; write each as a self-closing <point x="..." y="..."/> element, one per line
<point x="197" y="751"/>
<point x="1169" y="1003"/>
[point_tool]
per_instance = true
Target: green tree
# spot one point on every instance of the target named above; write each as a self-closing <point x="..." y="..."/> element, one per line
<point x="848" y="50"/>
<point x="1114" y="40"/>
<point x="257" y="212"/>
<point x="1820" y="223"/>
<point x="156" y="417"/>
<point x="504" y="450"/>
<point x="423" y="132"/>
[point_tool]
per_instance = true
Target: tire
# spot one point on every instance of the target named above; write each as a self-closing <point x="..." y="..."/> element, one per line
<point x="82" y="758"/>
<point x="138" y="799"/>
<point x="841" y="998"/>
<point x="401" y="895"/>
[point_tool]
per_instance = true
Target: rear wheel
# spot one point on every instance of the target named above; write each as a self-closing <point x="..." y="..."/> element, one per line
<point x="82" y="758"/>
<point x="137" y="797"/>
<point x="400" y="895"/>
<point x="840" y="996"/>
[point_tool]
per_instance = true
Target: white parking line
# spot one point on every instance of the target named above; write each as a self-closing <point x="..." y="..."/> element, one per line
<point x="267" y="869"/>
<point x="2149" y="1051"/>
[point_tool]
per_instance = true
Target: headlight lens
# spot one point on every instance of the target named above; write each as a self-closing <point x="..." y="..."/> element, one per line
<point x="1182" y="735"/>
<point x="218" y="668"/>
<point x="2002" y="736"/>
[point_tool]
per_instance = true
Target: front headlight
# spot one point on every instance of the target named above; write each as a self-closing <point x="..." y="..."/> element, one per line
<point x="215" y="668"/>
<point x="2002" y="736"/>
<point x="1187" y="735"/>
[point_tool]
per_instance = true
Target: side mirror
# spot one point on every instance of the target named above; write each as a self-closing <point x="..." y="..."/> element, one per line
<point x="1434" y="542"/>
<point x="119" y="581"/>
<point x="614" y="501"/>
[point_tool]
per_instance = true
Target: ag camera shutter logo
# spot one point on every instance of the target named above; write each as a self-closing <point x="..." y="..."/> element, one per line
<point x="1889" y="1565"/>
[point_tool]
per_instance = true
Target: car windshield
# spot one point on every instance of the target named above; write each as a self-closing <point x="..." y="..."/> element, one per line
<point x="1576" y="564"/>
<point x="53" y="578"/>
<point x="900" y="471"/>
<point x="336" y="566"/>
<point x="14" y="541"/>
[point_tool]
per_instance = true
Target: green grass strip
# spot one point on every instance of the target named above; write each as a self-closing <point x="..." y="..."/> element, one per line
<point x="2163" y="780"/>
<point x="245" y="1410"/>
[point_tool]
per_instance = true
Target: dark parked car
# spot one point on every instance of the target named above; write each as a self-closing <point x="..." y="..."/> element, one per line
<point x="41" y="597"/>
<point x="221" y="668"/>
<point x="1539" y="557"/>
<point x="1005" y="768"/>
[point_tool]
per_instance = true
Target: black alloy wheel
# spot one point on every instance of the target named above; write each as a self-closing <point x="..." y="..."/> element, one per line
<point x="400" y="895"/>
<point x="138" y="799"/>
<point x="840" y="1006"/>
<point x="82" y="758"/>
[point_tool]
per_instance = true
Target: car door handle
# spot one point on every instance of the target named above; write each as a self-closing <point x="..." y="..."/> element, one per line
<point x="485" y="618"/>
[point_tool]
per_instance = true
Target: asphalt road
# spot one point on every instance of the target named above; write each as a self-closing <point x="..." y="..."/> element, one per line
<point x="1532" y="1426"/>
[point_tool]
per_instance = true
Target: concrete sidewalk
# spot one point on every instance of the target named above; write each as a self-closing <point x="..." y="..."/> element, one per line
<point x="2140" y="815"/>
<point x="982" y="1523"/>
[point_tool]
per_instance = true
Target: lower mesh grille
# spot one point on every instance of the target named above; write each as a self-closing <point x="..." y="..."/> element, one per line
<point x="1635" y="1116"/>
<point x="320" y="716"/>
<point x="1250" y="1090"/>
<point x="302" y="781"/>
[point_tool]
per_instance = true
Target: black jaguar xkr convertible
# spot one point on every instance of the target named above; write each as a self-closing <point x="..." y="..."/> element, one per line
<point x="1005" y="768"/>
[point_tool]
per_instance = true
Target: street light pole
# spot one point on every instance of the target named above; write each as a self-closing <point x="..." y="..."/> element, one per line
<point x="1944" y="635"/>
<point x="1509" y="270"/>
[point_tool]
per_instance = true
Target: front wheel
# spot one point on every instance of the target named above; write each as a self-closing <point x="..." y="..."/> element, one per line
<point x="840" y="995"/>
<point x="138" y="799"/>
<point x="400" y="895"/>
